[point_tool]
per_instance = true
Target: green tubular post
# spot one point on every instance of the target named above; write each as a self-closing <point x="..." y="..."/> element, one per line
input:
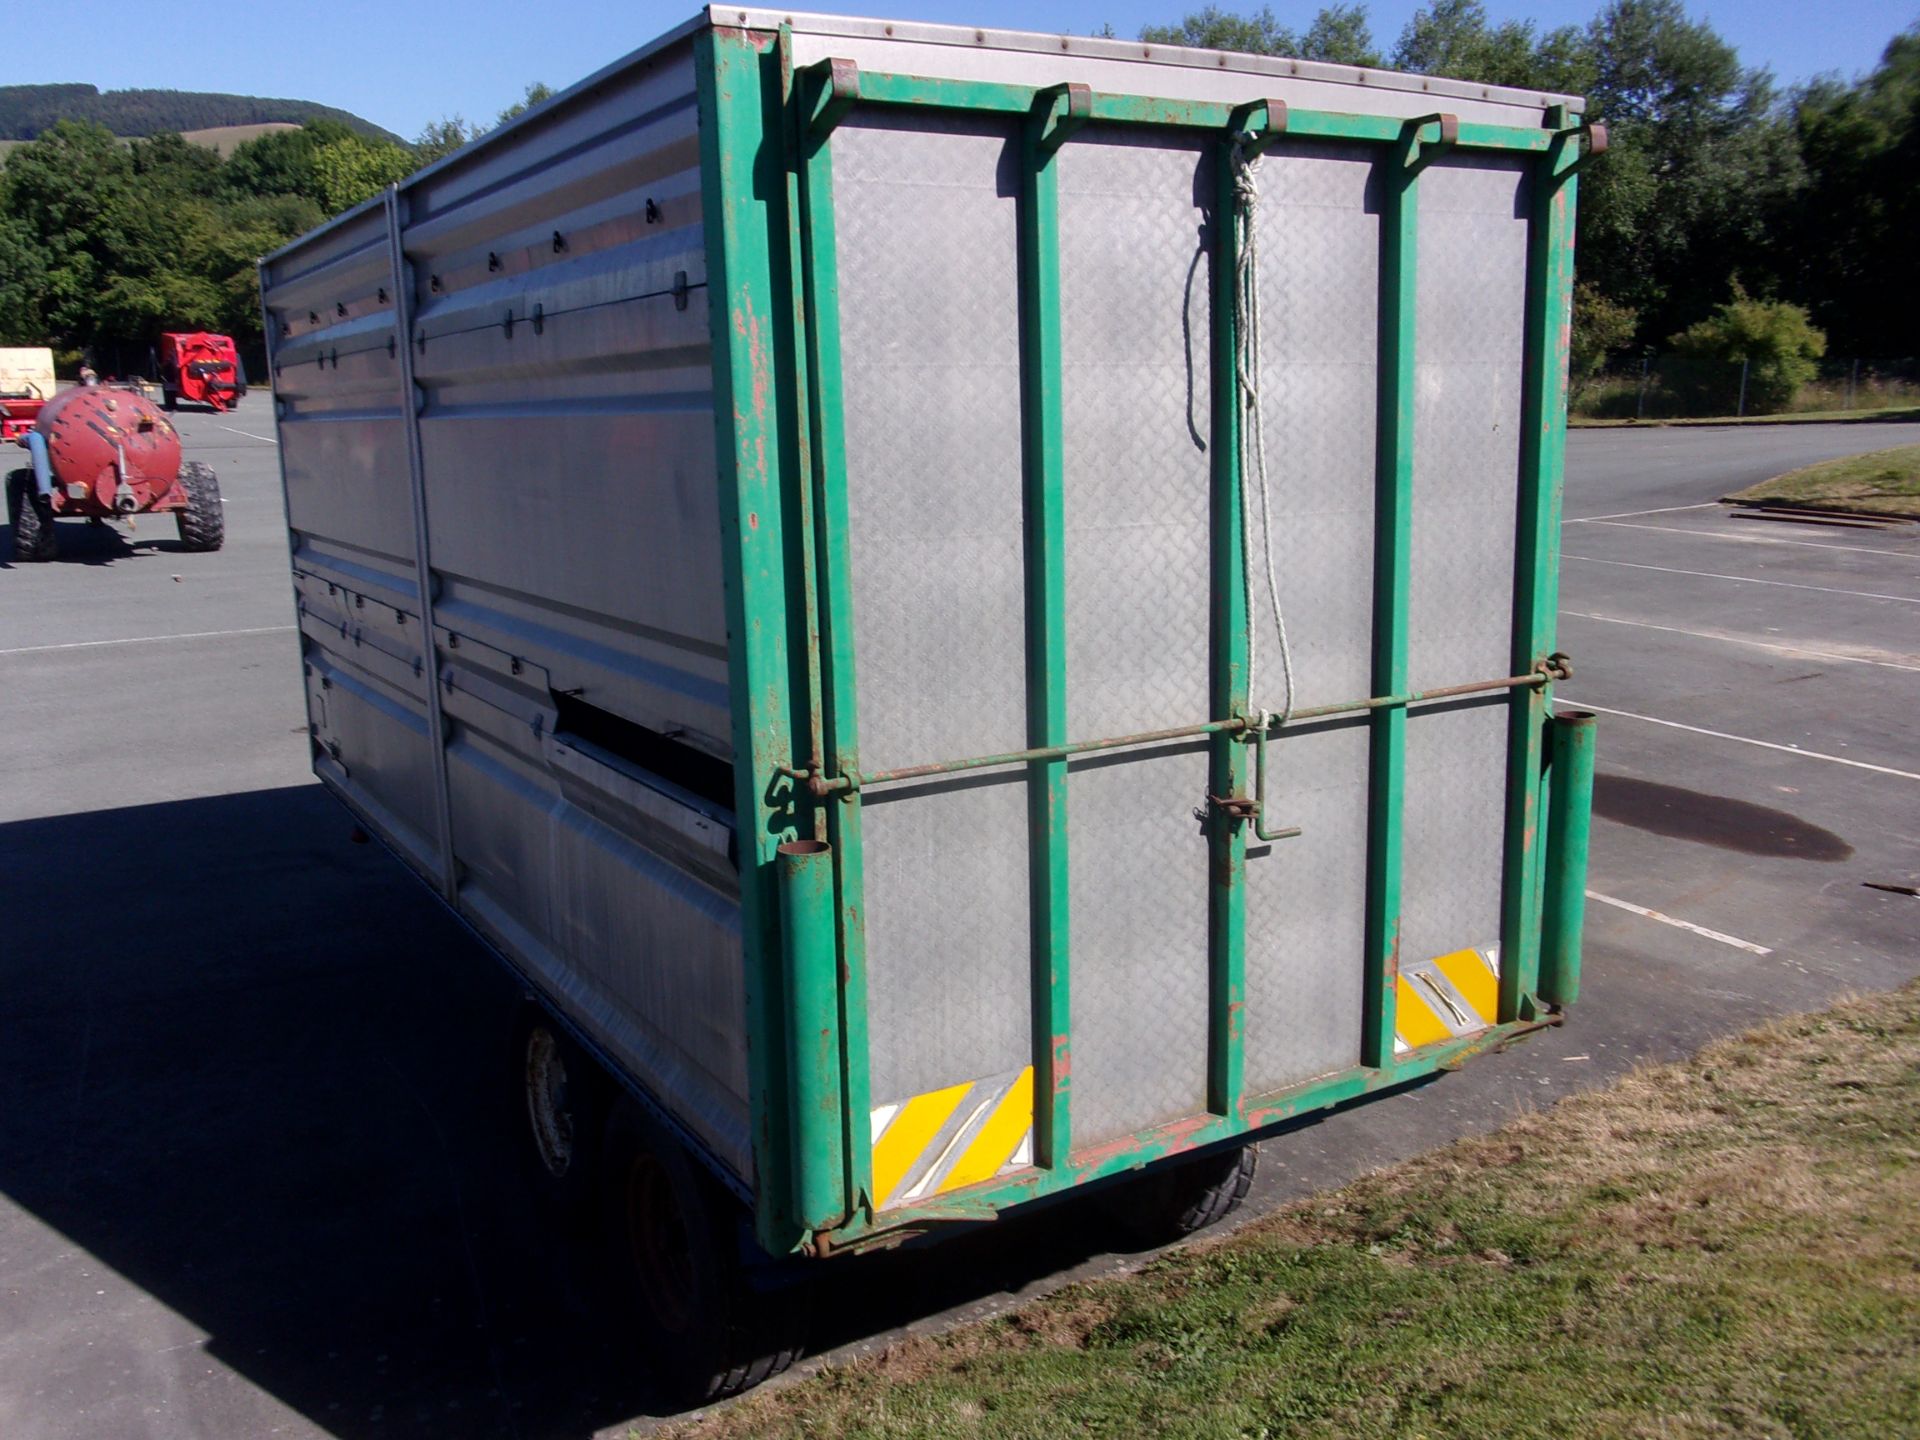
<point x="738" y="103"/>
<point x="835" y="608"/>
<point x="813" y="1032"/>
<point x="1227" y="841"/>
<point x="1392" y="531"/>
<point x="1569" y="820"/>
<point x="1543" y="433"/>
<point x="1044" y="451"/>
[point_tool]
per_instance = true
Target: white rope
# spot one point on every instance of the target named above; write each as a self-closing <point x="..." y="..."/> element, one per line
<point x="1246" y="319"/>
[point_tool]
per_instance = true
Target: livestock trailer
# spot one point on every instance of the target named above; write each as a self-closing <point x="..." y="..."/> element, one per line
<point x="973" y="612"/>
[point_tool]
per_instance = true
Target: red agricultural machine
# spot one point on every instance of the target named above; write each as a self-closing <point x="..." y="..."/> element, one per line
<point x="105" y="453"/>
<point x="202" y="369"/>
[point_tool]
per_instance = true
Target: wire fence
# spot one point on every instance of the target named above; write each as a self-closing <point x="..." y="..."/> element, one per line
<point x="1677" y="387"/>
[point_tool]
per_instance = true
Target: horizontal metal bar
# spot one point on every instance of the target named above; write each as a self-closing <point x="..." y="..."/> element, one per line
<point x="1552" y="669"/>
<point x="915" y="91"/>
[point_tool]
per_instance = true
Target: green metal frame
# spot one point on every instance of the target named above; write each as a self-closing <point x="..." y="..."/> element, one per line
<point x="766" y="133"/>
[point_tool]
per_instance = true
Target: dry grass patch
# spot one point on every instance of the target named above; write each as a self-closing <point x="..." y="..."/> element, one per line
<point x="1880" y="482"/>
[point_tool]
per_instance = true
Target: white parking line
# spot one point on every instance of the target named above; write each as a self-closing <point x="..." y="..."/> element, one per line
<point x="146" y="640"/>
<point x="1724" y="939"/>
<point x="1629" y="514"/>
<point x="1743" y="739"/>
<point x="248" y="433"/>
<point x="1746" y="579"/>
<point x="1756" y="539"/>
<point x="1742" y="640"/>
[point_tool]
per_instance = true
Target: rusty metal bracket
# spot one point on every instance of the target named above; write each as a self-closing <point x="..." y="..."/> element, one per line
<point x="1420" y="151"/>
<point x="838" y="83"/>
<point x="1054" y="122"/>
<point x="1596" y="133"/>
<point x="1256" y="137"/>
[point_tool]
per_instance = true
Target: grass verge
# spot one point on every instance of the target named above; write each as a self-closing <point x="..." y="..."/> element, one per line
<point x="1801" y="417"/>
<point x="1880" y="482"/>
<point x="1725" y="1247"/>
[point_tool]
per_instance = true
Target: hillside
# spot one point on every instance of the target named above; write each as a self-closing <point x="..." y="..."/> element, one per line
<point x="26" y="110"/>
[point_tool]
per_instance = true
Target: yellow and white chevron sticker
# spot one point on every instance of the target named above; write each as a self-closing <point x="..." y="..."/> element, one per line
<point x="944" y="1139"/>
<point x="1455" y="994"/>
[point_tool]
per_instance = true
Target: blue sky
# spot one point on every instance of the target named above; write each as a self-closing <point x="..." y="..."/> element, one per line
<point x="401" y="65"/>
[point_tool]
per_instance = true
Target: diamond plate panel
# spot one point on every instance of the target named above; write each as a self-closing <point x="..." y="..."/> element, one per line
<point x="1135" y="340"/>
<point x="929" y="320"/>
<point x="1453" y="833"/>
<point x="1306" y="898"/>
<point x="1472" y="345"/>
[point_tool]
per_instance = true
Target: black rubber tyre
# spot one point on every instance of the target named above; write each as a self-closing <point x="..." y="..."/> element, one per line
<point x="33" y="538"/>
<point x="1168" y="1205"/>
<point x="678" y="1243"/>
<point x="203" y="524"/>
<point x="170" y="399"/>
<point x="559" y="1099"/>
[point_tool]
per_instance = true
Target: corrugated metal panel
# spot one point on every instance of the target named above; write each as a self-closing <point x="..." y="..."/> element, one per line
<point x="929" y="334"/>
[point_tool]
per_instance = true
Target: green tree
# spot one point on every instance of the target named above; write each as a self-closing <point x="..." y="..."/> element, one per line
<point x="61" y="190"/>
<point x="348" y="171"/>
<point x="1454" y="38"/>
<point x="23" y="285"/>
<point x="1777" y="344"/>
<point x="1854" y="228"/>
<point x="1338" y="34"/>
<point x="442" y="137"/>
<point x="537" y="92"/>
<point x="1601" y="329"/>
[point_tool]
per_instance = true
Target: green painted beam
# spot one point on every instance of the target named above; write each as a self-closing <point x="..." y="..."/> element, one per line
<point x="1392" y="534"/>
<point x="835" y="607"/>
<point x="1044" y="458"/>
<point x="738" y="101"/>
<point x="1227" y="764"/>
<point x="1543" y="438"/>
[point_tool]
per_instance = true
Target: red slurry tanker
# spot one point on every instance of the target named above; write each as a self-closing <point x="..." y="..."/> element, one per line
<point x="106" y="454"/>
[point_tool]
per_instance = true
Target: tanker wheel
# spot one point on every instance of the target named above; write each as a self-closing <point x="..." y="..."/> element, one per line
<point x="560" y="1095"/>
<point x="1166" y="1205"/>
<point x="170" y="398"/>
<point x="34" y="540"/>
<point x="203" y="524"/>
<point x="678" y="1242"/>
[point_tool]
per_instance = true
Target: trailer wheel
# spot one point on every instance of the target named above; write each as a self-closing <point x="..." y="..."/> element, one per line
<point x="203" y="524"/>
<point x="33" y="536"/>
<point x="170" y="398"/>
<point x="557" y="1091"/>
<point x="678" y="1242"/>
<point x="1168" y="1205"/>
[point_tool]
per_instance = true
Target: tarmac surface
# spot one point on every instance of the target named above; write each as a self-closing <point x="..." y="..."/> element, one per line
<point x="257" y="1163"/>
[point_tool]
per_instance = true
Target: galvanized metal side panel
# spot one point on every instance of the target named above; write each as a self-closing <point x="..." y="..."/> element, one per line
<point x="329" y="309"/>
<point x="1470" y="361"/>
<point x="1135" y="338"/>
<point x="929" y="335"/>
<point x="1319" y="238"/>
<point x="555" y="276"/>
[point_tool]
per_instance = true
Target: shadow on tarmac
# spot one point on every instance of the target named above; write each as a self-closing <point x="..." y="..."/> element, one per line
<point x="257" y="1071"/>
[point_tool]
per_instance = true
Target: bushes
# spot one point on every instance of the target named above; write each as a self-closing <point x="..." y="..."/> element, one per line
<point x="1777" y="342"/>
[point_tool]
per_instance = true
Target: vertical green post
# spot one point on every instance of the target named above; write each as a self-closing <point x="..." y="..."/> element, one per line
<point x="1392" y="556"/>
<point x="742" y="188"/>
<point x="834" y="602"/>
<point x="1569" y="821"/>
<point x="1543" y="433"/>
<point x="1044" y="459"/>
<point x="812" y="1032"/>
<point x="1227" y="838"/>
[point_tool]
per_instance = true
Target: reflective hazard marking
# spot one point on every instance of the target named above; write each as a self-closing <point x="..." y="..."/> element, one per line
<point x="1452" y="995"/>
<point x="945" y="1139"/>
